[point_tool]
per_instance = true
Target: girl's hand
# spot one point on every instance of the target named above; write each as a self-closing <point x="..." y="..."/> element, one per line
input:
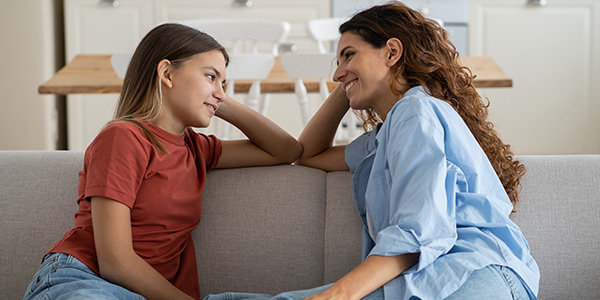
<point x="267" y="143"/>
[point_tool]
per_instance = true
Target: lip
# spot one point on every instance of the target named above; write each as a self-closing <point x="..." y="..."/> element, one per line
<point x="348" y="83"/>
<point x="213" y="107"/>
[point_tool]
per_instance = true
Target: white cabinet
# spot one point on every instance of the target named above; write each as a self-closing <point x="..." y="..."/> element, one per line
<point x="552" y="53"/>
<point x="294" y="12"/>
<point x="95" y="26"/>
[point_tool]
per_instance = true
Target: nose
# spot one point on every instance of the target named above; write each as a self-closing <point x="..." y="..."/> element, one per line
<point x="219" y="93"/>
<point x="339" y="73"/>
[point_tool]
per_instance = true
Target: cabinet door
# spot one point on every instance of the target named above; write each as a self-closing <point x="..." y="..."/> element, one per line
<point x="94" y="27"/>
<point x="552" y="54"/>
<point x="297" y="13"/>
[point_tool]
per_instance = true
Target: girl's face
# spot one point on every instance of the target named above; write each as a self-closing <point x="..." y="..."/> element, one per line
<point x="193" y="92"/>
<point x="365" y="73"/>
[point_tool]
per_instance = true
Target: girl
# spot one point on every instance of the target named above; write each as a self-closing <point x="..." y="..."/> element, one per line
<point x="433" y="183"/>
<point x="143" y="176"/>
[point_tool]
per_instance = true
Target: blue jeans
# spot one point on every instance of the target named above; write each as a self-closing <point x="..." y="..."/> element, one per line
<point x="62" y="276"/>
<point x="295" y="295"/>
<point x="492" y="282"/>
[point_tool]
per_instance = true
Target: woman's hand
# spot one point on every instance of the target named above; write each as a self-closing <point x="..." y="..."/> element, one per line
<point x="332" y="293"/>
<point x="371" y="274"/>
<point x="317" y="138"/>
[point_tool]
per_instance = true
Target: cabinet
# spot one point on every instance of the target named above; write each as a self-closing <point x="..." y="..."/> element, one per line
<point x="552" y="53"/>
<point x="94" y="26"/>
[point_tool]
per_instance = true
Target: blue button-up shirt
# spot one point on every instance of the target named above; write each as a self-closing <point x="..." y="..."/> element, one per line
<point x="422" y="184"/>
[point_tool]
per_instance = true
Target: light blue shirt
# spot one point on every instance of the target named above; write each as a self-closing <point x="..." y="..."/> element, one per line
<point x="422" y="184"/>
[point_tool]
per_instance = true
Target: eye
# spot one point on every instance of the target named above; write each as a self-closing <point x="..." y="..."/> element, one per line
<point x="212" y="77"/>
<point x="348" y="54"/>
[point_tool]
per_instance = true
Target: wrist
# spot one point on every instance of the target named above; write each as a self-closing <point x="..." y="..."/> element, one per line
<point x="339" y="290"/>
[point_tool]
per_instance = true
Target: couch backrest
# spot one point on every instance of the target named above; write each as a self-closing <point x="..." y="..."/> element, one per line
<point x="559" y="214"/>
<point x="261" y="230"/>
<point x="38" y="193"/>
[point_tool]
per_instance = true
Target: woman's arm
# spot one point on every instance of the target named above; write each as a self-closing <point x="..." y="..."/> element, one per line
<point x="317" y="138"/>
<point x="117" y="260"/>
<point x="368" y="276"/>
<point x="267" y="143"/>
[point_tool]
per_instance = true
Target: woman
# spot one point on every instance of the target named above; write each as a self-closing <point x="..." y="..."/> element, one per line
<point x="143" y="176"/>
<point x="433" y="183"/>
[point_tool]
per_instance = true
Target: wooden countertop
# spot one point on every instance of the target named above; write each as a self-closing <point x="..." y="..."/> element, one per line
<point x="93" y="74"/>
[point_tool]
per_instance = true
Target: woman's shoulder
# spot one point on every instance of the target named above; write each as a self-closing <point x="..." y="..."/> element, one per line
<point x="417" y="102"/>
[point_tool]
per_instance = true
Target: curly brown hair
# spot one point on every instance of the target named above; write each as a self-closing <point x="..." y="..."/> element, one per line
<point x="430" y="60"/>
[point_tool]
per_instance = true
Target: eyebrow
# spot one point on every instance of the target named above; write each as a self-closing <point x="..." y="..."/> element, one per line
<point x="344" y="50"/>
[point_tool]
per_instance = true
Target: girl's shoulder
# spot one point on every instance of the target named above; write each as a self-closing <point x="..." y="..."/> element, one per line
<point x="121" y="134"/>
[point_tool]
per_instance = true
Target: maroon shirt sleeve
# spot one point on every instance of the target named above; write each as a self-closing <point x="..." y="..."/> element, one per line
<point x="208" y="148"/>
<point x="116" y="163"/>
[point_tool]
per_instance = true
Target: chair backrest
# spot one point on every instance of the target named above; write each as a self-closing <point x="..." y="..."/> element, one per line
<point x="309" y="65"/>
<point x="324" y="30"/>
<point x="249" y="66"/>
<point x="238" y="33"/>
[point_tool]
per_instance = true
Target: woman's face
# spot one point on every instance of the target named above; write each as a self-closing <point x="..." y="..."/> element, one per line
<point x="193" y="92"/>
<point x="365" y="73"/>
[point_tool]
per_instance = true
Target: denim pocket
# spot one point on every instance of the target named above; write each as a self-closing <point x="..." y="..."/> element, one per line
<point x="70" y="262"/>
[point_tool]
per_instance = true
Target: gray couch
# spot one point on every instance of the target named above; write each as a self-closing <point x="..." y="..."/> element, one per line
<point x="272" y="229"/>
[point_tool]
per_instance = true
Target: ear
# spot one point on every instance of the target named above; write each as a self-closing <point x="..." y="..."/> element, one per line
<point x="164" y="72"/>
<point x="394" y="51"/>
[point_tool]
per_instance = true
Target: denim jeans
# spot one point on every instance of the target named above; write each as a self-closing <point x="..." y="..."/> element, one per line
<point x="294" y="295"/>
<point x="62" y="276"/>
<point x="492" y="282"/>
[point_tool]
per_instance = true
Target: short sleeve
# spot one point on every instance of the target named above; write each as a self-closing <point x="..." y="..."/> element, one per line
<point x="115" y="163"/>
<point x="421" y="212"/>
<point x="358" y="149"/>
<point x="208" y="148"/>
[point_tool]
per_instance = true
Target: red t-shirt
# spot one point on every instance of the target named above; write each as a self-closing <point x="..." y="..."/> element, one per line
<point x="163" y="192"/>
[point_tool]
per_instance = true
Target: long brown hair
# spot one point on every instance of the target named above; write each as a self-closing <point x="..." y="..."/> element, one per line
<point x="431" y="60"/>
<point x="141" y="95"/>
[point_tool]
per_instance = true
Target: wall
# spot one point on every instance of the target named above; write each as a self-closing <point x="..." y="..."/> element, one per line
<point x="31" y="52"/>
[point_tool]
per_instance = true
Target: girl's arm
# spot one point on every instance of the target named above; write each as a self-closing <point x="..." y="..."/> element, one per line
<point x="117" y="260"/>
<point x="267" y="143"/>
<point x="317" y="137"/>
<point x="368" y="276"/>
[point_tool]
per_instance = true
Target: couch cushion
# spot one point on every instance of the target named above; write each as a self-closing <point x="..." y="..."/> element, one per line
<point x="38" y="197"/>
<point x="261" y="230"/>
<point x="559" y="214"/>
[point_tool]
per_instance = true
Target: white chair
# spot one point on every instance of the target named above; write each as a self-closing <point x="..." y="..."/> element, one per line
<point x="308" y="65"/>
<point x="241" y="33"/>
<point x="245" y="66"/>
<point x="324" y="31"/>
